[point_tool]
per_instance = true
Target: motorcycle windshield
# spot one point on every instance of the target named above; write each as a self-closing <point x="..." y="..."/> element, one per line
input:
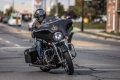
<point x="52" y="24"/>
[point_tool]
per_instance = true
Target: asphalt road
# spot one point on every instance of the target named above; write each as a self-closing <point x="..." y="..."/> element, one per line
<point x="100" y="62"/>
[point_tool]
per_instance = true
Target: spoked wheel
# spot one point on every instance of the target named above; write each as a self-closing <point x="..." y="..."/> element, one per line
<point x="68" y="65"/>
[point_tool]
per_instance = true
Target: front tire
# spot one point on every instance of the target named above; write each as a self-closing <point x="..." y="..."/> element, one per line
<point x="68" y="65"/>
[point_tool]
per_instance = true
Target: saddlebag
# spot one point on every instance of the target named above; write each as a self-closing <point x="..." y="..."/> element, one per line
<point x="30" y="55"/>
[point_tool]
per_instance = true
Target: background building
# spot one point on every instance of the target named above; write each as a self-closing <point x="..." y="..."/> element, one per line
<point x="27" y="9"/>
<point x="113" y="16"/>
<point x="24" y="9"/>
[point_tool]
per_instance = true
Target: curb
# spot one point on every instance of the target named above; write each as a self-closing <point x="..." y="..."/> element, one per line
<point x="99" y="35"/>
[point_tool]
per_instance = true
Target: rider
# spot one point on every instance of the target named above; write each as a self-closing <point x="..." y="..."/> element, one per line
<point x="40" y="15"/>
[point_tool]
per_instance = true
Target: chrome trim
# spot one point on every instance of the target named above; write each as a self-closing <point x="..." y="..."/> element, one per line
<point x="74" y="50"/>
<point x="45" y="54"/>
<point x="68" y="49"/>
<point x="56" y="52"/>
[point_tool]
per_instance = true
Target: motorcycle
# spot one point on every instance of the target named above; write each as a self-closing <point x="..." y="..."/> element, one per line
<point x="54" y="34"/>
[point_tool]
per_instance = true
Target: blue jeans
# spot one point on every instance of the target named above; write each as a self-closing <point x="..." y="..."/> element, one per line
<point x="39" y="48"/>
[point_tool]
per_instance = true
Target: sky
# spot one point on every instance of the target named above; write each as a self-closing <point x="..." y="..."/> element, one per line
<point x="5" y="2"/>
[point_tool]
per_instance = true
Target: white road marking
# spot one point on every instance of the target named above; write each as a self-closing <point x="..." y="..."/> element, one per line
<point x="108" y="69"/>
<point x="13" y="47"/>
<point x="112" y="69"/>
<point x="0" y="38"/>
<point x="10" y="42"/>
<point x="7" y="41"/>
<point x="25" y="39"/>
<point x="17" y="45"/>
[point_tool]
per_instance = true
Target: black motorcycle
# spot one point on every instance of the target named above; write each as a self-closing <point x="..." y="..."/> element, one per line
<point x="54" y="34"/>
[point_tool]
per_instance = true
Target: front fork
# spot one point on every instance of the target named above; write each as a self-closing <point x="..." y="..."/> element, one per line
<point x="55" y="49"/>
<point x="71" y="54"/>
<point x="66" y="49"/>
<point x="65" y="42"/>
<point x="63" y="49"/>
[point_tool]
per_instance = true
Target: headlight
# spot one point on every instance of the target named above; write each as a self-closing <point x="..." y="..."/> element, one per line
<point x="57" y="36"/>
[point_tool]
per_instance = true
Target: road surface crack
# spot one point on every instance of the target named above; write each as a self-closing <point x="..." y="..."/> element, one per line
<point x="81" y="67"/>
<point x="104" y="78"/>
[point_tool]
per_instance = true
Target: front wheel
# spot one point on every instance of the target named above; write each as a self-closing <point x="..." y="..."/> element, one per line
<point x="68" y="65"/>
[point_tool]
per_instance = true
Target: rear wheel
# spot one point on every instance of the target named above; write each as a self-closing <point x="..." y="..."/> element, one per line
<point x="29" y="29"/>
<point x="19" y="25"/>
<point x="45" y="70"/>
<point x="68" y="65"/>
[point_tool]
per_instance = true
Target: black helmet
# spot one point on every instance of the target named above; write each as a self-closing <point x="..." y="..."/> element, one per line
<point x="40" y="13"/>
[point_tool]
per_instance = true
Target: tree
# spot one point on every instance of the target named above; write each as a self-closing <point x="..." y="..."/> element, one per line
<point x="60" y="10"/>
<point x="9" y="11"/>
<point x="94" y="7"/>
<point x="70" y="13"/>
<point x="98" y="8"/>
<point x="102" y="6"/>
<point x="77" y="7"/>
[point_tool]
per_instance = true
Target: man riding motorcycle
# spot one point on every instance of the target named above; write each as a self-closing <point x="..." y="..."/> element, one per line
<point x="40" y="15"/>
<point x="50" y="49"/>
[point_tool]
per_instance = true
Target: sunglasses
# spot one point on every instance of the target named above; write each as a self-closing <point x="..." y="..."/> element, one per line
<point x="39" y="16"/>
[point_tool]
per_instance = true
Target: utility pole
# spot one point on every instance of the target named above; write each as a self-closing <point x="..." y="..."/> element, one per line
<point x="50" y="4"/>
<point x="56" y="8"/>
<point x="32" y="9"/>
<point x="13" y="6"/>
<point x="68" y="3"/>
<point x="82" y="24"/>
<point x="45" y="5"/>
